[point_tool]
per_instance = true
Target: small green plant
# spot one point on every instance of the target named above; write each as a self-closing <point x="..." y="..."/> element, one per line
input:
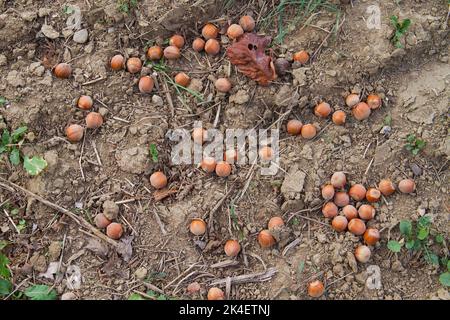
<point x="154" y="152"/>
<point x="416" y="237"/>
<point x="400" y="29"/>
<point x="387" y="121"/>
<point x="3" y="101"/>
<point x="126" y="5"/>
<point x="40" y="292"/>
<point x="68" y="9"/>
<point x="11" y="143"/>
<point x="414" y="145"/>
<point x="5" y="274"/>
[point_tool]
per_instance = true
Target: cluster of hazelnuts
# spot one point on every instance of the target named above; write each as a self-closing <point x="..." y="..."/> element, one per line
<point x="232" y="247"/>
<point x="104" y="220"/>
<point x="360" y="110"/>
<point x="355" y="217"/>
<point x="94" y="120"/>
<point x="208" y="43"/>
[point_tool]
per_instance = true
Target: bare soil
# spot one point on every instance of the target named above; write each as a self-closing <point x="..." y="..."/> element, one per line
<point x="414" y="83"/>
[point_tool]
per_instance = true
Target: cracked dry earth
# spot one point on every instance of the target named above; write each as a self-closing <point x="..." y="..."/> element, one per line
<point x="157" y="251"/>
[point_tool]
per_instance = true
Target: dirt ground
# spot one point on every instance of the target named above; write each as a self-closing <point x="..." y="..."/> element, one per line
<point x="162" y="256"/>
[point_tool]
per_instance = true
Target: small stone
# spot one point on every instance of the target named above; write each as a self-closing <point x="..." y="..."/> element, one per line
<point x="443" y="294"/>
<point x="133" y="130"/>
<point x="141" y="273"/>
<point x="293" y="183"/>
<point x="110" y="209"/>
<point x="338" y="270"/>
<point x="67" y="33"/>
<point x="54" y="250"/>
<point x="196" y="85"/>
<point x="157" y="100"/>
<point x="103" y="111"/>
<point x="3" y="60"/>
<point x="241" y="97"/>
<point x="299" y="76"/>
<point x="15" y="79"/>
<point x="68" y="296"/>
<point x="306" y="152"/>
<point x="397" y="266"/>
<point x="38" y="262"/>
<point x="80" y="36"/>
<point x="416" y="169"/>
<point x="321" y="237"/>
<point x="28" y="15"/>
<point x="44" y="12"/>
<point x="49" y="31"/>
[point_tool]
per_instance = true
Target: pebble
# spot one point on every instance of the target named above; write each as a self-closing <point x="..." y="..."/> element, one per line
<point x="80" y="36"/>
<point x="3" y="60"/>
<point x="110" y="209"/>
<point x="157" y="100"/>
<point x="68" y="296"/>
<point x="44" y="12"/>
<point x="49" y="31"/>
<point x="54" y="250"/>
<point x="241" y="97"/>
<point x="416" y="169"/>
<point x="141" y="273"/>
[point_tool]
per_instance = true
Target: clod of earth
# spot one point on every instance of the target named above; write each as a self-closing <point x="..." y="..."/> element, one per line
<point x="248" y="54"/>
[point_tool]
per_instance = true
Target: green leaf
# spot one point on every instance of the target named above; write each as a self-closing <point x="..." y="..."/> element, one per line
<point x="68" y="10"/>
<point x="2" y="101"/>
<point x="394" y="246"/>
<point x="17" y="134"/>
<point x="5" y="287"/>
<point x="432" y="258"/>
<point x="439" y="238"/>
<point x="444" y="279"/>
<point x="135" y="296"/>
<point x="424" y="221"/>
<point x="417" y="245"/>
<point x="3" y="244"/>
<point x="394" y="20"/>
<point x="415" y="151"/>
<point x="420" y="144"/>
<point x="423" y="233"/>
<point x="6" y="138"/>
<point x="154" y="152"/>
<point x="4" y="271"/>
<point x="405" y="25"/>
<point x="406" y="227"/>
<point x="40" y="292"/>
<point x="409" y="244"/>
<point x="14" y="156"/>
<point x="387" y="120"/>
<point x="411" y="138"/>
<point x="35" y="165"/>
<point x="448" y="265"/>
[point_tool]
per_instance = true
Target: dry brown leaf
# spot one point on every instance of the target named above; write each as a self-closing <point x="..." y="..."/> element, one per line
<point x="248" y="54"/>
